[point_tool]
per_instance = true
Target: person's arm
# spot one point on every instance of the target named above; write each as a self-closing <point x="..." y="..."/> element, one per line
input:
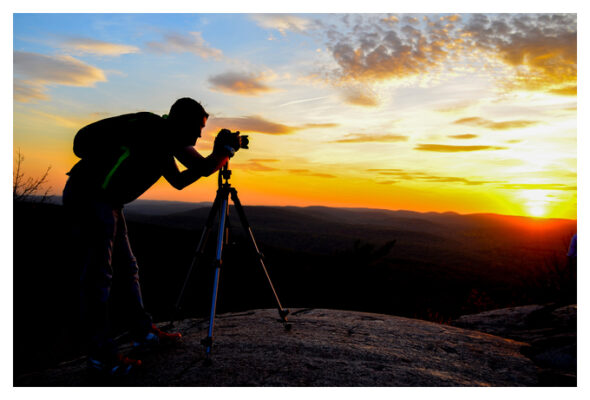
<point x="197" y="166"/>
<point x="192" y="159"/>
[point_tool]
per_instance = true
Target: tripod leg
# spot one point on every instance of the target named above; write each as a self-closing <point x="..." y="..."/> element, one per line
<point x="223" y="214"/>
<point x="197" y="257"/>
<point x="234" y="196"/>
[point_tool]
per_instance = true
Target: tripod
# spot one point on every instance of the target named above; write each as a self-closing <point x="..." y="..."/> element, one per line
<point x="221" y="207"/>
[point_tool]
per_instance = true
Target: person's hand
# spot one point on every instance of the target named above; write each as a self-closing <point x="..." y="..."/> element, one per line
<point x="229" y="142"/>
<point x="221" y="140"/>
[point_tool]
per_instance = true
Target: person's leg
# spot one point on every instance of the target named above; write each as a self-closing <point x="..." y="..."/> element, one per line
<point x="144" y="333"/>
<point x="99" y="233"/>
<point x="128" y="272"/>
<point x="93" y="226"/>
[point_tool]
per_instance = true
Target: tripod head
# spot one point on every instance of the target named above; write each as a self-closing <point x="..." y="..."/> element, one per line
<point x="224" y="174"/>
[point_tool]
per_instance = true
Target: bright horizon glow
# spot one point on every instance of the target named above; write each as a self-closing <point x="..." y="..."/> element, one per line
<point x="424" y="112"/>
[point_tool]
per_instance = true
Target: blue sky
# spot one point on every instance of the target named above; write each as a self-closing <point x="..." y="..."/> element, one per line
<point x="430" y="111"/>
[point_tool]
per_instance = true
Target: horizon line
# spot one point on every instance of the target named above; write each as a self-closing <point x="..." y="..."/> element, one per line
<point x="344" y="208"/>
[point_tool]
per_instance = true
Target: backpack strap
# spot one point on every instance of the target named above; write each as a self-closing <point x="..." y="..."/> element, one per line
<point x="122" y="158"/>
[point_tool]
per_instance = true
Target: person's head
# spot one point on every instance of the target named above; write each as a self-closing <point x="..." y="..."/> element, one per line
<point x="188" y="118"/>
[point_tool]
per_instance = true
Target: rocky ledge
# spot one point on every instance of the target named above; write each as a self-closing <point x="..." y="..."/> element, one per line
<point x="550" y="330"/>
<point x="324" y="348"/>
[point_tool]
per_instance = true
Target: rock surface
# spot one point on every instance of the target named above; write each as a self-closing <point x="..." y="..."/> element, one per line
<point x="551" y="331"/>
<point x="324" y="348"/>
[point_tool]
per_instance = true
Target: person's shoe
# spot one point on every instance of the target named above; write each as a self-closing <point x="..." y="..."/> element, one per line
<point x="116" y="366"/>
<point x="156" y="337"/>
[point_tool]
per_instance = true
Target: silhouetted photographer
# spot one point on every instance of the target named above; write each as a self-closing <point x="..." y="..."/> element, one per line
<point x="121" y="158"/>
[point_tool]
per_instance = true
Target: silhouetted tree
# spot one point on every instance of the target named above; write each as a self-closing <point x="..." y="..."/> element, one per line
<point x="24" y="188"/>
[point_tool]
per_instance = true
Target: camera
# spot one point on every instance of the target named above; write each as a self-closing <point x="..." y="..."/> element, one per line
<point x="225" y="137"/>
<point x="243" y="139"/>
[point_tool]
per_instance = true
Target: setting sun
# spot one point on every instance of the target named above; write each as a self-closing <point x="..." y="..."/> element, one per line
<point x="427" y="112"/>
<point x="537" y="210"/>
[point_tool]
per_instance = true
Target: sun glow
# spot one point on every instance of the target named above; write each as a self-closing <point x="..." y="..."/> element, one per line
<point x="456" y="130"/>
<point x="536" y="202"/>
<point x="537" y="210"/>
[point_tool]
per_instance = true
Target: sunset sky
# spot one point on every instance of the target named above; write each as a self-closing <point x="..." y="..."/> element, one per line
<point x="428" y="112"/>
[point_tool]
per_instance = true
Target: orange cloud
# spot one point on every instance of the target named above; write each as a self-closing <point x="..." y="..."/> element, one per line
<point x="541" y="49"/>
<point x="452" y="108"/>
<point x="265" y="160"/>
<point x="368" y="137"/>
<point x="97" y="47"/>
<point x="34" y="71"/>
<point x="72" y="123"/>
<point x="360" y="97"/>
<point x="373" y="51"/>
<point x="443" y="148"/>
<point x="24" y="92"/>
<point x="324" y="125"/>
<point x="463" y="136"/>
<point x="541" y="186"/>
<point x="64" y="70"/>
<point x="566" y="90"/>
<point x="239" y="83"/>
<point x="253" y="165"/>
<point x="250" y="124"/>
<point x="254" y="123"/>
<point x="307" y="172"/>
<point x="390" y="19"/>
<point x="411" y="20"/>
<point x="403" y="175"/>
<point x="486" y="123"/>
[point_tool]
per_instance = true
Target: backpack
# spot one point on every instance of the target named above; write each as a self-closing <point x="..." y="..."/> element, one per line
<point x="104" y="145"/>
<point x="108" y="135"/>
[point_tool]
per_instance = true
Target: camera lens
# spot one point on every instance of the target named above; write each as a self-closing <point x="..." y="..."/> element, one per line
<point x="244" y="142"/>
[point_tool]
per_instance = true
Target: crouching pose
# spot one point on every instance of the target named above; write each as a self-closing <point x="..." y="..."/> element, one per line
<point x="122" y="157"/>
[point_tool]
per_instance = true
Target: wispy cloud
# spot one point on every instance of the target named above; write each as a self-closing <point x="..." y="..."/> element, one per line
<point x="463" y="136"/>
<point x="503" y="125"/>
<point x="64" y="70"/>
<point x="455" y="107"/>
<point x="406" y="175"/>
<point x="282" y="22"/>
<point x="97" y="47"/>
<point x="541" y="186"/>
<point x="301" y="101"/>
<point x="263" y="160"/>
<point x="191" y="42"/>
<point x="307" y="172"/>
<point x="240" y="83"/>
<point x="443" y="148"/>
<point x="360" y="96"/>
<point x="258" y="124"/>
<point x="34" y="72"/>
<point x="254" y="165"/>
<point x="26" y="92"/>
<point x="251" y="123"/>
<point x="321" y="125"/>
<point x="68" y="122"/>
<point x="571" y="90"/>
<point x="370" y="137"/>
<point x="261" y="165"/>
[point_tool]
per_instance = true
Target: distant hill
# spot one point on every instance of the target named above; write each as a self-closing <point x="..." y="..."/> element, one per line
<point x="484" y="243"/>
<point x="433" y="266"/>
